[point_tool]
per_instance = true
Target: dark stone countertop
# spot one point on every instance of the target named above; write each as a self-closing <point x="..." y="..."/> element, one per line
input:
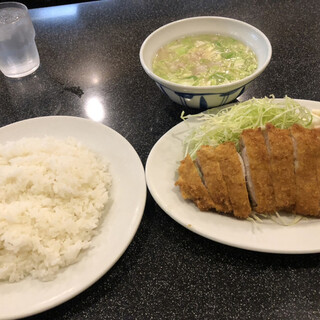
<point x="91" y="50"/>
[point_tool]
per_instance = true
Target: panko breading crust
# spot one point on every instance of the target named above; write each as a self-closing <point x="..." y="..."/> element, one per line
<point x="280" y="147"/>
<point x="213" y="178"/>
<point x="191" y="186"/>
<point x="259" y="166"/>
<point x="282" y="172"/>
<point x="317" y="132"/>
<point x="234" y="177"/>
<point x="306" y="158"/>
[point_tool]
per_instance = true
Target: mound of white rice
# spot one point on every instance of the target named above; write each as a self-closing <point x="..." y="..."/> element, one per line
<point x="52" y="196"/>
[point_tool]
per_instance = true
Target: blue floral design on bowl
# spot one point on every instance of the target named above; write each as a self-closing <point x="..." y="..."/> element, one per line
<point x="201" y="101"/>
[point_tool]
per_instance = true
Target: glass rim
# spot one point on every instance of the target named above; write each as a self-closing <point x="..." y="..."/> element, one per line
<point x="13" y="4"/>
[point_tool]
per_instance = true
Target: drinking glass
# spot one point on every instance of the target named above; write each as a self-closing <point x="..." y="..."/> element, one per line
<point x="18" y="52"/>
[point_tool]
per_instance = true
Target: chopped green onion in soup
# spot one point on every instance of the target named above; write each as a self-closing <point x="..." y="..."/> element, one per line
<point x="204" y="60"/>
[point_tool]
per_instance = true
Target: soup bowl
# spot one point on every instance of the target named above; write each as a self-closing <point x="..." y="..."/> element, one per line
<point x="204" y="97"/>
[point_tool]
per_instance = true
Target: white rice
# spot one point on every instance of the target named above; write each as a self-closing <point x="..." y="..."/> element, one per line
<point x="52" y="197"/>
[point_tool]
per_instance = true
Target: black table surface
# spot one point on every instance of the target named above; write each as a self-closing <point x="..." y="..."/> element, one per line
<point x="91" y="50"/>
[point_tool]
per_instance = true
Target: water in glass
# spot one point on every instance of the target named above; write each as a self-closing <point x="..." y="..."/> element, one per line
<point x="18" y="52"/>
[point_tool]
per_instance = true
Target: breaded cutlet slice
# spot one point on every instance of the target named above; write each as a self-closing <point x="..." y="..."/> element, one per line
<point x="213" y="179"/>
<point x="317" y="132"/>
<point x="257" y="164"/>
<point x="191" y="186"/>
<point x="306" y="159"/>
<point x="233" y="173"/>
<point x="280" y="148"/>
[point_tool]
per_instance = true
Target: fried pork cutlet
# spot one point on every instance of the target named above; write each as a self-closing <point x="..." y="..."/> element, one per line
<point x="317" y="132"/>
<point x="306" y="159"/>
<point x="280" y="148"/>
<point x="213" y="179"/>
<point x="191" y="186"/>
<point x="257" y="163"/>
<point x="233" y="173"/>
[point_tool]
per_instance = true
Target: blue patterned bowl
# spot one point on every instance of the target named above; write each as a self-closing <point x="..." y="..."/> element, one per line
<point x="209" y="96"/>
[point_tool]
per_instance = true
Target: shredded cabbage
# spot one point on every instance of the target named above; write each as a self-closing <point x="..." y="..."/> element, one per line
<point x="282" y="218"/>
<point x="228" y="123"/>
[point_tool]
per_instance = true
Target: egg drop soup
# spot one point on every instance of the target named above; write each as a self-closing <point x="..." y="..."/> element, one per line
<point x="204" y="60"/>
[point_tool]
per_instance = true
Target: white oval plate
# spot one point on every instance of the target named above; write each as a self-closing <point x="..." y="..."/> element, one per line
<point x="161" y="174"/>
<point x="128" y="197"/>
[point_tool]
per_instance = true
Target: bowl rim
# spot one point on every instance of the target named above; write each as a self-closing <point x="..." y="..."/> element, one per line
<point x="222" y="87"/>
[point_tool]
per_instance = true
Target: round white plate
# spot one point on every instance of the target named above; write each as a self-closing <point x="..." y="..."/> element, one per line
<point x="161" y="174"/>
<point x="128" y="197"/>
